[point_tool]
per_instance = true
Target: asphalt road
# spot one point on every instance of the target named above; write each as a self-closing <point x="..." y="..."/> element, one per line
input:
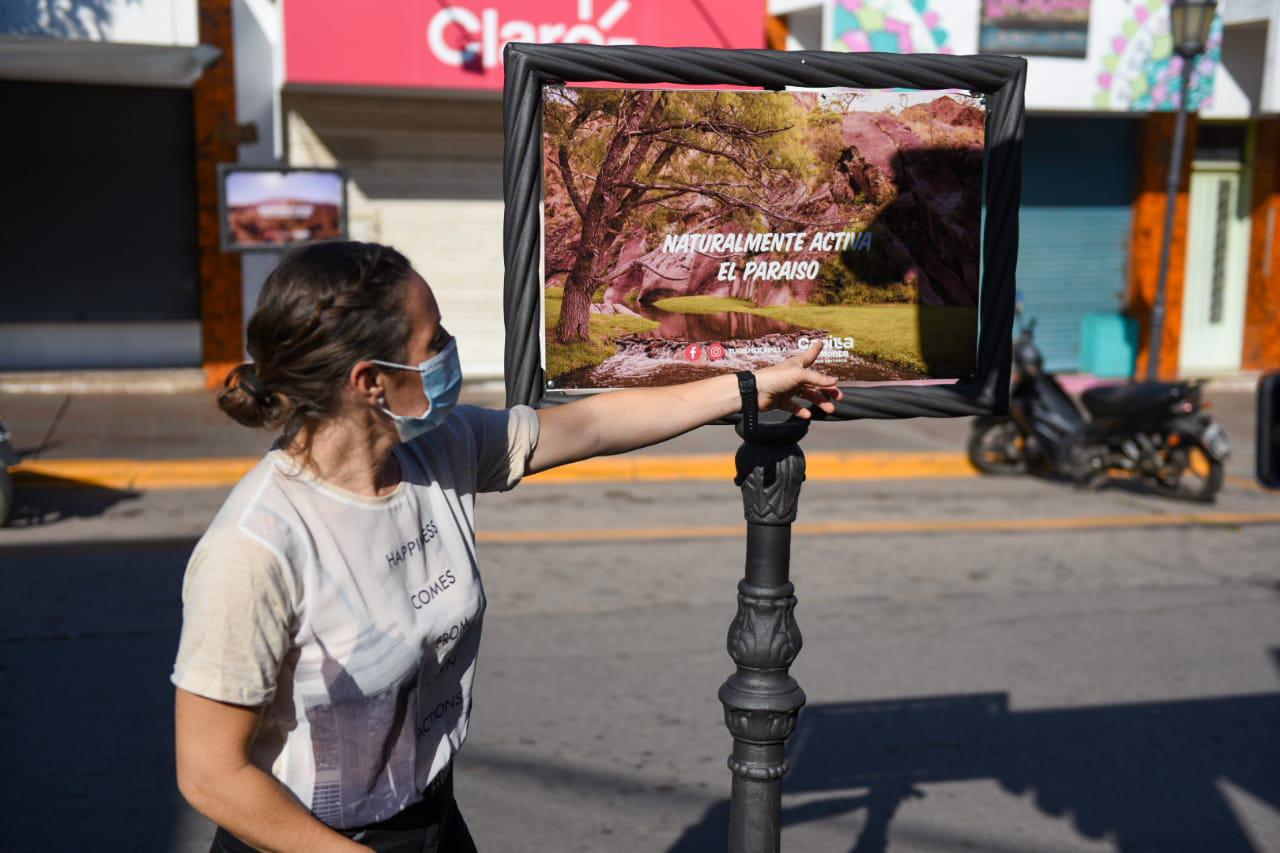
<point x="1078" y="684"/>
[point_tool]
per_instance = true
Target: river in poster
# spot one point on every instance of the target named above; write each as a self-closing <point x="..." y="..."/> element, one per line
<point x="689" y="233"/>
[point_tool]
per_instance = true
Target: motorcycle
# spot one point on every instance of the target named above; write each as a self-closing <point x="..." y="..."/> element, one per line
<point x="1155" y="432"/>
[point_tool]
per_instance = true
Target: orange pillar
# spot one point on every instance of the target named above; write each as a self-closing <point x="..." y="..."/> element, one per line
<point x="1148" y="232"/>
<point x="775" y="32"/>
<point x="1262" y="303"/>
<point x="216" y="138"/>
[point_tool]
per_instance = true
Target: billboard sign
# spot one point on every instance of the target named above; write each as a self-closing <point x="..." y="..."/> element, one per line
<point x="273" y="209"/>
<point x="691" y="232"/>
<point x="866" y="200"/>
<point x="457" y="44"/>
<point x="1035" y="27"/>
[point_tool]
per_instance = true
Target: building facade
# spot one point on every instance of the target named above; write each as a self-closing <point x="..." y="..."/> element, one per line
<point x="98" y="163"/>
<point x="125" y="108"/>
<point x="1102" y="86"/>
<point x="130" y="105"/>
<point x="407" y="97"/>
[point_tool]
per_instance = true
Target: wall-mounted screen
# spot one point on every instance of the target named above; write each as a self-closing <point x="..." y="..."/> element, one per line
<point x="275" y="209"/>
<point x="1036" y="27"/>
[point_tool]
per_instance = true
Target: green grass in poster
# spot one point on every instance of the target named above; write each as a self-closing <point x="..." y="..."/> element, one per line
<point x="921" y="337"/>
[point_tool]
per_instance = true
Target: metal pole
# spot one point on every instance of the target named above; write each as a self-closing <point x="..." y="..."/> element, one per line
<point x="761" y="700"/>
<point x="1173" y="184"/>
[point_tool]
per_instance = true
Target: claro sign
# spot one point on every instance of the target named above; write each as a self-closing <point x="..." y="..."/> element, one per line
<point x="483" y="35"/>
<point x="439" y="44"/>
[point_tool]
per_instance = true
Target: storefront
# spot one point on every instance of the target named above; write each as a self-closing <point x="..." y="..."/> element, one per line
<point x="406" y="97"/>
<point x="99" y="240"/>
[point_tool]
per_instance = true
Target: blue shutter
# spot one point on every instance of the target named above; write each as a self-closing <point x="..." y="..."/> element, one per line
<point x="1077" y="211"/>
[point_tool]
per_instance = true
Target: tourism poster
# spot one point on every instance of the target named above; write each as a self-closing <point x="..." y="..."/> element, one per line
<point x="689" y="233"/>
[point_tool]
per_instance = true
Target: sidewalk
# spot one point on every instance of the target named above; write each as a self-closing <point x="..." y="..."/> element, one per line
<point x="183" y="440"/>
<point x="191" y="426"/>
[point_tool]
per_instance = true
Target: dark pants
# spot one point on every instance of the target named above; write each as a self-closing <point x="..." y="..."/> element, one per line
<point x="433" y="825"/>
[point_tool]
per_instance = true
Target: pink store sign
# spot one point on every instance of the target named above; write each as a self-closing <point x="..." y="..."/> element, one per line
<point x="457" y="44"/>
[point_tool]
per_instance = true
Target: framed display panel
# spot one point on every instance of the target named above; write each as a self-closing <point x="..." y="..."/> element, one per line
<point x="262" y="208"/>
<point x="999" y="81"/>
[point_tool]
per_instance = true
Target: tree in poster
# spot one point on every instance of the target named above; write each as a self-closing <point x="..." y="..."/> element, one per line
<point x="625" y="154"/>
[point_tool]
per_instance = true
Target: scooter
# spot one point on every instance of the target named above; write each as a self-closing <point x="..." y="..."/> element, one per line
<point x="1154" y="432"/>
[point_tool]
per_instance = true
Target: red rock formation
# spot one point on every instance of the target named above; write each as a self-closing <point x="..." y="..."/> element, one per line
<point x="913" y="179"/>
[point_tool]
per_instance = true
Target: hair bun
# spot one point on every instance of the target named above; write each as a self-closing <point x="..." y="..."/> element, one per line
<point x="325" y="307"/>
<point x="246" y="399"/>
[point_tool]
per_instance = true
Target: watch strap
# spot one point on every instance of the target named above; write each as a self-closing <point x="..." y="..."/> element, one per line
<point x="750" y="400"/>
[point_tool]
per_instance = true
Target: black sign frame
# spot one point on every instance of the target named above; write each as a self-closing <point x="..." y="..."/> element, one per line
<point x="1002" y="79"/>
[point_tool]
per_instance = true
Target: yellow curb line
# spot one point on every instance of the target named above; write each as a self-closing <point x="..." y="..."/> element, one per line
<point x="845" y="528"/>
<point x="1247" y="483"/>
<point x="129" y="474"/>
<point x="821" y="465"/>
<point x="156" y="474"/>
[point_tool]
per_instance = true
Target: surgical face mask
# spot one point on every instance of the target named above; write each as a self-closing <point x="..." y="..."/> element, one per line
<point x="441" y="382"/>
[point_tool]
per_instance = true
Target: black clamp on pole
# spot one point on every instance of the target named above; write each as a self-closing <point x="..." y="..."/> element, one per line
<point x="761" y="700"/>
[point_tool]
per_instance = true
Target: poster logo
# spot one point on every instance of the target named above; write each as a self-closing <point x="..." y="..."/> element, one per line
<point x="459" y="37"/>
<point x="835" y="348"/>
<point x="715" y="352"/>
<point x="693" y="352"/>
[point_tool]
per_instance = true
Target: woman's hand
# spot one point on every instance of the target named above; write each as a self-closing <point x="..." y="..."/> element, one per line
<point x="779" y="384"/>
<point x="624" y="420"/>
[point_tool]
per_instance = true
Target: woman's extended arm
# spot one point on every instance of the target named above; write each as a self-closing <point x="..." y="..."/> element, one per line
<point x="624" y="420"/>
<point x="216" y="777"/>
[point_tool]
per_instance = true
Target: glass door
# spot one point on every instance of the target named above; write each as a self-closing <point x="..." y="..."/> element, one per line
<point x="1217" y="267"/>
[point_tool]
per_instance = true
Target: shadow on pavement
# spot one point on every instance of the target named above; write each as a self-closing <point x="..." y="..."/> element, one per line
<point x="1144" y="775"/>
<point x="88" y="633"/>
<point x="43" y="499"/>
<point x="87" y="639"/>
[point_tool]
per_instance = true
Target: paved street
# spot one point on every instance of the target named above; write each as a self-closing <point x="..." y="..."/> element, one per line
<point x="991" y="664"/>
<point x="923" y="196"/>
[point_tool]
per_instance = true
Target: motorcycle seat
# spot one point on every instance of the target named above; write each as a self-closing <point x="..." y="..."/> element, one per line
<point x="1132" y="399"/>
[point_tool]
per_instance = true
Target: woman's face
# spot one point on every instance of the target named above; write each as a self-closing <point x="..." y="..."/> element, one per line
<point x="427" y="337"/>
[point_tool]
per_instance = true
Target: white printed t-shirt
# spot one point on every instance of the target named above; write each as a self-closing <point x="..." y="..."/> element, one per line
<point x="354" y="619"/>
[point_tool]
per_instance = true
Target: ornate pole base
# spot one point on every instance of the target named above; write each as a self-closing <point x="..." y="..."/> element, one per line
<point x="761" y="700"/>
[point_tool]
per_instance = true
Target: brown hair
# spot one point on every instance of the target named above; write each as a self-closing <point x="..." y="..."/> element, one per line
<point x="325" y="307"/>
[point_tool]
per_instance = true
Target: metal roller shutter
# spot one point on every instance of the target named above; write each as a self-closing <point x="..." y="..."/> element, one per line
<point x="1077" y="200"/>
<point x="98" y="219"/>
<point x="426" y="178"/>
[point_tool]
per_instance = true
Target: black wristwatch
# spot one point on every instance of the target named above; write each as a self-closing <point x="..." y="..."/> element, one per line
<point x="750" y="401"/>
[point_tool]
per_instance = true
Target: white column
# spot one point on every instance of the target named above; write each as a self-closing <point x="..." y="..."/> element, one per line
<point x="259" y="46"/>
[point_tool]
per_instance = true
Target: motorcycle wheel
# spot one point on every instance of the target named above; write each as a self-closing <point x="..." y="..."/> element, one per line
<point x="1190" y="474"/>
<point x="997" y="447"/>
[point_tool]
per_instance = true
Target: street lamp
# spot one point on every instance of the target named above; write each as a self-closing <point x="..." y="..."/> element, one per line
<point x="1190" y="21"/>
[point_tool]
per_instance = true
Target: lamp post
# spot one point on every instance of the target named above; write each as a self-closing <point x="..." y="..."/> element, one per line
<point x="761" y="699"/>
<point x="1190" y="21"/>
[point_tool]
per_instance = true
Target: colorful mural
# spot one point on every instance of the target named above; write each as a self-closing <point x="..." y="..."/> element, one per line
<point x="1139" y="71"/>
<point x="891" y="26"/>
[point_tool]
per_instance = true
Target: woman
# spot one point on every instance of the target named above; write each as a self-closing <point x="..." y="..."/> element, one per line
<point x="332" y="611"/>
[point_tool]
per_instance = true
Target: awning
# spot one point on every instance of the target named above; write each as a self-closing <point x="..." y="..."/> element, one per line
<point x="104" y="63"/>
